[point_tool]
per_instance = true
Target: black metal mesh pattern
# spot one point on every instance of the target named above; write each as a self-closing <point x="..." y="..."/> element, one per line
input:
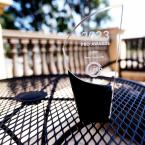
<point x="55" y="120"/>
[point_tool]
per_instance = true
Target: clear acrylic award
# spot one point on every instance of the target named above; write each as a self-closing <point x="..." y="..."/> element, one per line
<point x="86" y="63"/>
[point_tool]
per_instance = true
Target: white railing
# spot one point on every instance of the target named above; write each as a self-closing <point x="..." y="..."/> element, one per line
<point x="37" y="53"/>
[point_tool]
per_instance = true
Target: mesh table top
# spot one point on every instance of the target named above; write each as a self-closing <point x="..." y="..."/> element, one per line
<point x="55" y="120"/>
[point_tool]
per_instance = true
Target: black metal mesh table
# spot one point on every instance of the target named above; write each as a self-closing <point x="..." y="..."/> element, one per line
<point x="54" y="119"/>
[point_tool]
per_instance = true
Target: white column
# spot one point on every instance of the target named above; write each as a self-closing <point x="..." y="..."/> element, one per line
<point x="3" y="4"/>
<point x="2" y="57"/>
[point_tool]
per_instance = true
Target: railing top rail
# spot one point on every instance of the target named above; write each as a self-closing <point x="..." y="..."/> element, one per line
<point x="41" y="35"/>
<point x="134" y="38"/>
<point x="30" y="34"/>
<point x="36" y="35"/>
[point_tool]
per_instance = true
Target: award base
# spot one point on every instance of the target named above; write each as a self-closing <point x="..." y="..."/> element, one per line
<point x="93" y="101"/>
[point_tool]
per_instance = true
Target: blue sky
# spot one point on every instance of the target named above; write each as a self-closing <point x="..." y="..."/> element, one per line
<point x="133" y="18"/>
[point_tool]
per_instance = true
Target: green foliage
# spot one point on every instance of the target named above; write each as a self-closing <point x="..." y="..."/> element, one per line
<point x="7" y="20"/>
<point x="41" y="15"/>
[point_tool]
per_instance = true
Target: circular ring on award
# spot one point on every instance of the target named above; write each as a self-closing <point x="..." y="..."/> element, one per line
<point x="93" y="69"/>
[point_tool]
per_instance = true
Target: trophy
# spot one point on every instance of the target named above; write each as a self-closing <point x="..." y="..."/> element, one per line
<point x="97" y="45"/>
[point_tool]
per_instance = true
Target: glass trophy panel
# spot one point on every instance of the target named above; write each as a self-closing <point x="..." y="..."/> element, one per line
<point x="97" y="44"/>
<point x="89" y="49"/>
